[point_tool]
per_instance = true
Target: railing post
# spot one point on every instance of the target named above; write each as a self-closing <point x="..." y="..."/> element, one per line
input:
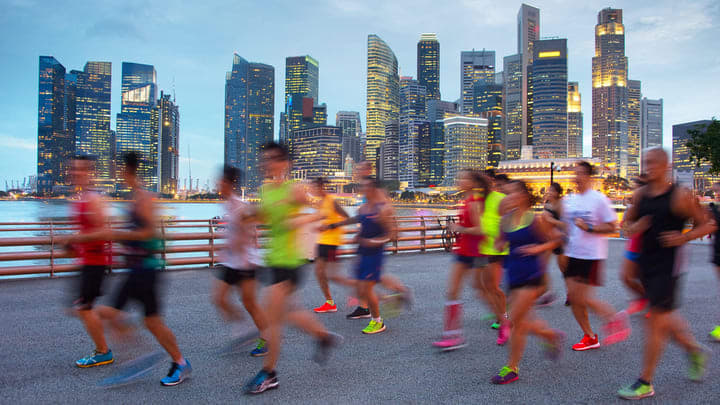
<point x="212" y="243"/>
<point x="423" y="234"/>
<point x="163" y="255"/>
<point x="52" y="250"/>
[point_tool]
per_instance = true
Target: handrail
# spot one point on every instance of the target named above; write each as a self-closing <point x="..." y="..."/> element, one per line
<point x="185" y="245"/>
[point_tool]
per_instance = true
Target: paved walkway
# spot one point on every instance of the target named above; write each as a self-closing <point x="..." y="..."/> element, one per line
<point x="39" y="343"/>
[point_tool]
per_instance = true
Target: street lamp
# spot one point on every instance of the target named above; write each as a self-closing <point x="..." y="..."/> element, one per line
<point x="552" y="172"/>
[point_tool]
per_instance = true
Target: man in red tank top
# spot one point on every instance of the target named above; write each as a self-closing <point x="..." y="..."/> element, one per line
<point x="93" y="255"/>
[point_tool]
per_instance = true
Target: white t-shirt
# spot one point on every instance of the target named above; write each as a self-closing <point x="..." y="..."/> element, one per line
<point x="595" y="209"/>
<point x="241" y="243"/>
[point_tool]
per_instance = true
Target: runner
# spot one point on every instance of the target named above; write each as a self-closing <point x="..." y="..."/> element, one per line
<point x="377" y="228"/>
<point x="715" y="333"/>
<point x="279" y="208"/>
<point x="590" y="218"/>
<point x="630" y="271"/>
<point x="239" y="260"/>
<point x="94" y="257"/>
<point x="328" y="243"/>
<point x="141" y="283"/>
<point x="659" y="212"/>
<point x="530" y="237"/>
<point x="491" y="272"/>
<point x="552" y="214"/>
<point x="469" y="234"/>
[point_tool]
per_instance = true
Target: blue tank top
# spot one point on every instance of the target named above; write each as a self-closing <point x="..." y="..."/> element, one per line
<point x="520" y="268"/>
<point x="142" y="254"/>
<point x="370" y="227"/>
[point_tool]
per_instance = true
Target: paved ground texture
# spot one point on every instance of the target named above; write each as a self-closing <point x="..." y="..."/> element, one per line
<point x="39" y="343"/>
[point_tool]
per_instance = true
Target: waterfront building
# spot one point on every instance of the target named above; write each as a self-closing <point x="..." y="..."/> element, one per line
<point x="651" y="123"/>
<point x="301" y="81"/>
<point x="685" y="169"/>
<point x="634" y="94"/>
<point x="488" y="104"/>
<point x="474" y="66"/>
<point x="512" y="138"/>
<point x="169" y="147"/>
<point x="436" y="112"/>
<point x="536" y="173"/>
<point x="388" y="153"/>
<point x="574" y="121"/>
<point x="465" y="145"/>
<point x="383" y="93"/>
<point x="428" y="65"/>
<point x="317" y="152"/>
<point x="528" y="31"/>
<point x="351" y="126"/>
<point x="550" y="92"/>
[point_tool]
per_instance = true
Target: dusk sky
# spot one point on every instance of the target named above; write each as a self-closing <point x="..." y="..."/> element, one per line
<point x="671" y="45"/>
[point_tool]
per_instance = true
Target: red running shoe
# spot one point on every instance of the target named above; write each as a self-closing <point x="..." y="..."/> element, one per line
<point x="587" y="343"/>
<point x="637" y="305"/>
<point x="325" y="308"/>
<point x="618" y="329"/>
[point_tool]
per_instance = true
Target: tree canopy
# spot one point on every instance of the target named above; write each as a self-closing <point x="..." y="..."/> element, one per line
<point x="704" y="145"/>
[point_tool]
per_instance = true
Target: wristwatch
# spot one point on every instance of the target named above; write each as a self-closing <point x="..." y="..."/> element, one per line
<point x="590" y="229"/>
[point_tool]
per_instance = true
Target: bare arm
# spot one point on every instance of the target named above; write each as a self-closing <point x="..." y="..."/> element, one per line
<point x="547" y="233"/>
<point x="476" y="211"/>
<point x="702" y="224"/>
<point x="340" y="210"/>
<point x="146" y="212"/>
<point x="387" y="221"/>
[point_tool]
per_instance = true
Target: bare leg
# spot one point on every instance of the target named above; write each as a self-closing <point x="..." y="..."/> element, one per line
<point x="492" y="275"/>
<point x="655" y="339"/>
<point x="247" y="289"/>
<point x="228" y="311"/>
<point x="94" y="328"/>
<point x="680" y="332"/>
<point x="275" y="303"/>
<point x="164" y="336"/>
<point x="322" y="279"/>
<point x="522" y="300"/>
<point x="114" y="317"/>
<point x="630" y="278"/>
<point x="368" y="293"/>
<point x="307" y="322"/>
<point x="455" y="281"/>
<point x="577" y="292"/>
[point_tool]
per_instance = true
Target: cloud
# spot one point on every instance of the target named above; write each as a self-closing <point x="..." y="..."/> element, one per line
<point x="115" y="28"/>
<point x="14" y="142"/>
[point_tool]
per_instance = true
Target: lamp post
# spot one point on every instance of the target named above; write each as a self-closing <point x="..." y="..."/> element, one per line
<point x="552" y="172"/>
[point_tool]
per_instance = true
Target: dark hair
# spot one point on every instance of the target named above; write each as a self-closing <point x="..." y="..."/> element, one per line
<point x="231" y="174"/>
<point x="132" y="160"/>
<point x="481" y="181"/>
<point x="373" y="181"/>
<point x="85" y="158"/>
<point x="525" y="190"/>
<point x="320" y="181"/>
<point x="589" y="169"/>
<point x="557" y="187"/>
<point x="502" y="177"/>
<point x="281" y="149"/>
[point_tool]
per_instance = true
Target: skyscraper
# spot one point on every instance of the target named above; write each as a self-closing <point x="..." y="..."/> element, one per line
<point x="301" y="81"/>
<point x="682" y="161"/>
<point x="55" y="146"/>
<point x="414" y="134"/>
<point x="574" y="121"/>
<point x="488" y="104"/>
<point x="465" y="145"/>
<point x="428" y="65"/>
<point x="550" y="90"/>
<point x="610" y="141"/>
<point x="513" y="106"/>
<point x="528" y="25"/>
<point x="383" y="93"/>
<point x="634" y="94"/>
<point x="388" y="153"/>
<point x="349" y="122"/>
<point x="169" y="120"/>
<point x="651" y="123"/>
<point x="474" y="66"/>
<point x="137" y="123"/>
<point x="92" y="109"/>
<point x="317" y="152"/>
<point x="437" y="111"/>
<point x="249" y="116"/>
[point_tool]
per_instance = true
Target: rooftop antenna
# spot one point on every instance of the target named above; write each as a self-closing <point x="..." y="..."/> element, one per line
<point x="189" y="168"/>
<point x="173" y="89"/>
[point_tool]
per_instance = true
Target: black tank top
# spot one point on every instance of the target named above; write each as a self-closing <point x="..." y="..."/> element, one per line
<point x="716" y="235"/>
<point x="654" y="258"/>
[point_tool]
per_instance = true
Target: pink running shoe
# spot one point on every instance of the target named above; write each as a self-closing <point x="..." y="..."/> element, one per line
<point x="636" y="306"/>
<point x="503" y="333"/>
<point x="450" y="343"/>
<point x="618" y="329"/>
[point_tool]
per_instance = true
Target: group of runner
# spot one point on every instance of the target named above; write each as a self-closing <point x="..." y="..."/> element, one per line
<point x="497" y="232"/>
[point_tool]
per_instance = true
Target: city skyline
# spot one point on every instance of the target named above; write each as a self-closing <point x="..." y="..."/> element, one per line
<point x="342" y="84"/>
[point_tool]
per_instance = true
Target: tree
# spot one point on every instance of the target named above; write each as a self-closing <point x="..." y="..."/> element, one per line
<point x="704" y="145"/>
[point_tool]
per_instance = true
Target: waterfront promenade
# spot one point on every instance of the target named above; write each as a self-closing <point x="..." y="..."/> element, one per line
<point x="39" y="343"/>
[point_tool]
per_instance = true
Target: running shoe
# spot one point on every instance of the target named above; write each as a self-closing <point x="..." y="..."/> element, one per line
<point x="495" y="325"/>
<point x="326" y="307"/>
<point x="587" y="343"/>
<point x="636" y="390"/>
<point x="618" y="329"/>
<point x="715" y="334"/>
<point x="505" y="376"/>
<point x="177" y="374"/>
<point x="553" y="348"/>
<point x="450" y="343"/>
<point x="698" y="363"/>
<point x="262" y="382"/>
<point x="261" y="349"/>
<point x="324" y="347"/>
<point x="503" y="333"/>
<point x="637" y="306"/>
<point x="374" y="327"/>
<point x="545" y="300"/>
<point x="95" y="359"/>
<point x="359" y="313"/>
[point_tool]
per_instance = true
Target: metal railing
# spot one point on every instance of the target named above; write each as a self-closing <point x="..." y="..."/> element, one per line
<point x="188" y="243"/>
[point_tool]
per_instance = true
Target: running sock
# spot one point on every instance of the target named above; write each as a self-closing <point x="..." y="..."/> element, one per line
<point x="378" y="319"/>
<point x="640" y="380"/>
<point x="453" y="317"/>
<point x="182" y="362"/>
<point x="330" y="302"/>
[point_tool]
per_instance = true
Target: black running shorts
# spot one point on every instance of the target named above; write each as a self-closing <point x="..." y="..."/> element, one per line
<point x="233" y="276"/>
<point x="585" y="271"/>
<point x="661" y="291"/>
<point x="327" y="252"/>
<point x="141" y="286"/>
<point x="281" y="274"/>
<point x="90" y="286"/>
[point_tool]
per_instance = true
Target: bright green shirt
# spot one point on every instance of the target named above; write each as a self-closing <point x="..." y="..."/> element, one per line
<point x="490" y="221"/>
<point x="277" y="208"/>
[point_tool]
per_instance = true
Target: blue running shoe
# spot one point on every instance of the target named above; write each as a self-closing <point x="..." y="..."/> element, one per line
<point x="95" y="359"/>
<point x="261" y="348"/>
<point x="177" y="374"/>
<point x="262" y="382"/>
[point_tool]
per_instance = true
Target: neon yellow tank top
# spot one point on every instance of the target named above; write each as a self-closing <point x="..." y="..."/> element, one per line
<point x="278" y="209"/>
<point x="490" y="221"/>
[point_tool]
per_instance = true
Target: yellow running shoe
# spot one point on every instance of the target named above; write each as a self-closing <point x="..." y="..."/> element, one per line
<point x="715" y="334"/>
<point x="374" y="327"/>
